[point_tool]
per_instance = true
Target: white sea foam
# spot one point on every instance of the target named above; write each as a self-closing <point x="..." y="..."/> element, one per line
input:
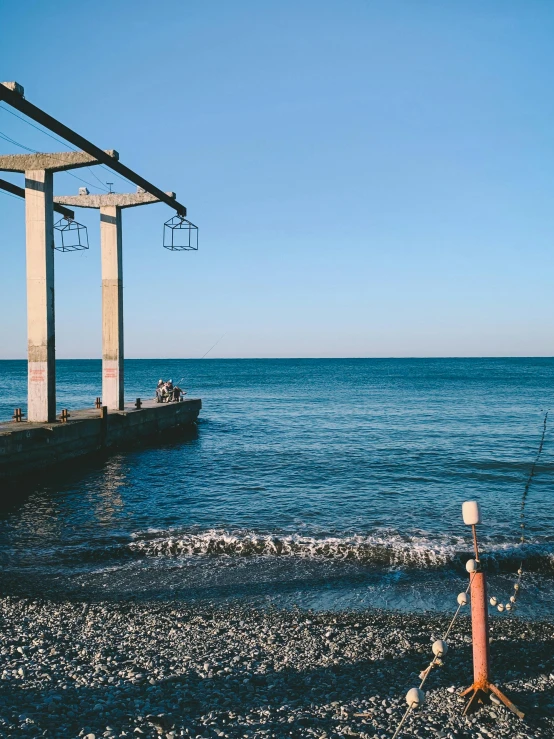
<point x="387" y="548"/>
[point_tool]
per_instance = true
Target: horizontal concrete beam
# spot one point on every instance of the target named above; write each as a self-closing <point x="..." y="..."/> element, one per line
<point x="13" y="94"/>
<point x="117" y="199"/>
<point x="20" y="192"/>
<point x="52" y="162"/>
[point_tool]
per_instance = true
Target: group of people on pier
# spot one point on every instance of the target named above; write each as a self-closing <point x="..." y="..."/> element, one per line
<point x="167" y="392"/>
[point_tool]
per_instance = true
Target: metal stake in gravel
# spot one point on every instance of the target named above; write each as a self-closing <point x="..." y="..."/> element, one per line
<point x="482" y="685"/>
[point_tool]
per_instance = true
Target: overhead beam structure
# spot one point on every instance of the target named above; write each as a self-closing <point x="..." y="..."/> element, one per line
<point x="20" y="192"/>
<point x="12" y="94"/>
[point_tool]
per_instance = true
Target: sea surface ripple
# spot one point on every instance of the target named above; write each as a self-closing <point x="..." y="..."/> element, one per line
<point x="319" y="483"/>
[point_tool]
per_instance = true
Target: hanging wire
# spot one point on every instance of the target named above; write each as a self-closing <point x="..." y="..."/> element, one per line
<point x="9" y="194"/>
<point x="63" y="143"/>
<point x="38" y="128"/>
<point x="34" y="151"/>
<point x="13" y="141"/>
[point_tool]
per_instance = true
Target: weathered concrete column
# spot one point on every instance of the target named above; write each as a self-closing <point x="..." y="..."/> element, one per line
<point x="41" y="331"/>
<point x="110" y="206"/>
<point x="39" y="221"/>
<point x="112" y="307"/>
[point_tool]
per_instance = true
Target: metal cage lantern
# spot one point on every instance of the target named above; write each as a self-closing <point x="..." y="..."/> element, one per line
<point x="180" y="235"/>
<point x="73" y="236"/>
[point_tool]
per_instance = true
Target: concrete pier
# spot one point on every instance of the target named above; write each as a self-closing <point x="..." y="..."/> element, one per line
<point x="30" y="448"/>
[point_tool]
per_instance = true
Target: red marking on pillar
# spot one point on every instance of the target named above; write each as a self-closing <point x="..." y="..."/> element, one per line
<point x="37" y="375"/>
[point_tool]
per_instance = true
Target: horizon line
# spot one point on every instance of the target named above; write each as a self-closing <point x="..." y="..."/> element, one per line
<point x="246" y="359"/>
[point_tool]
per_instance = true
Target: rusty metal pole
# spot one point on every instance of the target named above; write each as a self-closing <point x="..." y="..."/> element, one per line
<point x="480" y="631"/>
<point x="482" y="685"/>
<point x="479" y="624"/>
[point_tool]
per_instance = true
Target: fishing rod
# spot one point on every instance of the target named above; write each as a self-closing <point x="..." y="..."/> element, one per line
<point x="206" y="354"/>
<point x="213" y="347"/>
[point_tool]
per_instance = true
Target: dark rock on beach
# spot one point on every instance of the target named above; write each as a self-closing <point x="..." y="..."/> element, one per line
<point x="173" y="670"/>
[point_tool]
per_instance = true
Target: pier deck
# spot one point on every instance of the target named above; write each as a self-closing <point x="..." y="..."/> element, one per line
<point x="26" y="448"/>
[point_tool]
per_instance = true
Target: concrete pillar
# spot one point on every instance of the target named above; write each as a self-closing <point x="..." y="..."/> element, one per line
<point x="41" y="338"/>
<point x="39" y="169"/>
<point x="110" y="206"/>
<point x="112" y="307"/>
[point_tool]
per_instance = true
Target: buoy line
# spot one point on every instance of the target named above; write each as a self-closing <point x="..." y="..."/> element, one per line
<point x="511" y="603"/>
<point x="415" y="697"/>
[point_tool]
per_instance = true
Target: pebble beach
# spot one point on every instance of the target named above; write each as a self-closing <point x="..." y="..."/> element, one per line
<point x="155" y="669"/>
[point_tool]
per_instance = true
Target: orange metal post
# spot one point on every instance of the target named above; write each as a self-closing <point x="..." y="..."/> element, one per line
<point x="480" y="637"/>
<point x="480" y="631"/>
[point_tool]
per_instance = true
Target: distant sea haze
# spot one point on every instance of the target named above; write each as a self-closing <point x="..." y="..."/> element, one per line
<point x="325" y="483"/>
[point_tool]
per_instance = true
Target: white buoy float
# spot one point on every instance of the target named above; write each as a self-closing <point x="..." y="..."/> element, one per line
<point x="471" y="565"/>
<point x="440" y="648"/>
<point x="462" y="599"/>
<point x="415" y="697"/>
<point x="493" y="601"/>
<point x="471" y="513"/>
<point x="500" y="607"/>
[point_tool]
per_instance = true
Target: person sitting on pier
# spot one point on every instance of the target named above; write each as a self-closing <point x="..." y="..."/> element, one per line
<point x="159" y="391"/>
<point x="169" y="388"/>
<point x="178" y="393"/>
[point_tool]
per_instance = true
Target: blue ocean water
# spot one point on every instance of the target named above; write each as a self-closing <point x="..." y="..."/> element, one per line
<point x="321" y="483"/>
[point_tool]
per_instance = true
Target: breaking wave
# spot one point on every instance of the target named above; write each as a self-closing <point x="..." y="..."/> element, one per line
<point x="385" y="550"/>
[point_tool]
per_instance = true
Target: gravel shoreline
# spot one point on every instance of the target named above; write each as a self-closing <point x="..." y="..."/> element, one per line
<point x="171" y="669"/>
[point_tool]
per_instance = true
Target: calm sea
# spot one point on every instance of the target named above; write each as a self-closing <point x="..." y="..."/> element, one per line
<point x="320" y="483"/>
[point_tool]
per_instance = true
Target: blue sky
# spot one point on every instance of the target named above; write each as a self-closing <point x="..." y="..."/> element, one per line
<point x="369" y="178"/>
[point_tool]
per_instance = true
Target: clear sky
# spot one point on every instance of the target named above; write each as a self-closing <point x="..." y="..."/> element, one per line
<point x="370" y="178"/>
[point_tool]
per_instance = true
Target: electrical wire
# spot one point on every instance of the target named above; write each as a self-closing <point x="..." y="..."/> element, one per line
<point x="93" y="173"/>
<point x="10" y="195"/>
<point x="34" y="151"/>
<point x="38" y="128"/>
<point x="63" y="143"/>
<point x="13" y="141"/>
